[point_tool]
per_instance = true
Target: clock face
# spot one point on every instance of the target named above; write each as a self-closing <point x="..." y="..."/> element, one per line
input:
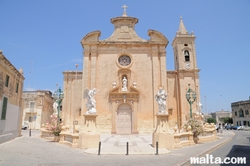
<point x="187" y="65"/>
<point x="124" y="60"/>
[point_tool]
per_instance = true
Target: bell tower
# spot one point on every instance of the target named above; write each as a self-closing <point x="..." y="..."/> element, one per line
<point x="184" y="49"/>
<point x="187" y="72"/>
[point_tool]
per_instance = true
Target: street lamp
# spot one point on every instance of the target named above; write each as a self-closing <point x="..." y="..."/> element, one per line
<point x="58" y="96"/>
<point x="191" y="97"/>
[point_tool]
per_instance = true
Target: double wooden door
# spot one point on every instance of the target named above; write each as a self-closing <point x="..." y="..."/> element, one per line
<point x="124" y="119"/>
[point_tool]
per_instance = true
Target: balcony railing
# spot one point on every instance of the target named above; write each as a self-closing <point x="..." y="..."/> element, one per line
<point x="31" y="110"/>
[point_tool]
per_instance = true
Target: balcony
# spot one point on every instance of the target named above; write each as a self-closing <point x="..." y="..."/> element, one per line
<point x="30" y="111"/>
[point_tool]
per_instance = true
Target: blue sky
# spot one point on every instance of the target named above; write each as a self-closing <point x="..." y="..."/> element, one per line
<point x="43" y="37"/>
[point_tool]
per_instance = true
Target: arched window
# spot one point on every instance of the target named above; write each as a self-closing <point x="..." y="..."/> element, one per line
<point x="186" y="54"/>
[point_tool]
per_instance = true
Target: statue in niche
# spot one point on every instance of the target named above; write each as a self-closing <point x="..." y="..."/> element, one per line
<point x="124" y="84"/>
<point x="161" y="100"/>
<point x="91" y="103"/>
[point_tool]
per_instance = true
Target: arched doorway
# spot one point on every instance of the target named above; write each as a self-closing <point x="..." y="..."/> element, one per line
<point x="124" y="119"/>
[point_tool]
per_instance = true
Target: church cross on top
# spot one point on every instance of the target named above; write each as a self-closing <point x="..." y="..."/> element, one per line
<point x="124" y="10"/>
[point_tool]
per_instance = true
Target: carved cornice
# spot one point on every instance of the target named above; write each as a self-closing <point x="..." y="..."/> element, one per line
<point x="132" y="95"/>
<point x="188" y="71"/>
<point x="117" y="96"/>
<point x="12" y="67"/>
<point x="72" y="75"/>
<point x="91" y="37"/>
<point x="156" y="36"/>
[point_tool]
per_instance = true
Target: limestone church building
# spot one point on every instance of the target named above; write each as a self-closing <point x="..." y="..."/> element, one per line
<point x="142" y="62"/>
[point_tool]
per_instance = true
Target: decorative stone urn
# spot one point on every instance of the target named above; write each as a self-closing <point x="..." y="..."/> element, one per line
<point x="57" y="138"/>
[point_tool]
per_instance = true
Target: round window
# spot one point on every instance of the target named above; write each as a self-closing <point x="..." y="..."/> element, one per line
<point x="124" y="60"/>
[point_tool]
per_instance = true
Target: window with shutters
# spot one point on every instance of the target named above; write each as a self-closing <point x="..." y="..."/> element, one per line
<point x="4" y="108"/>
<point x="17" y="85"/>
<point x="7" y="80"/>
<point x="241" y="113"/>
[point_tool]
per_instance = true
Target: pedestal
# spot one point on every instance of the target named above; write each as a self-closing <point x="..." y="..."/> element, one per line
<point x="89" y="137"/>
<point x="88" y="140"/>
<point x="162" y="133"/>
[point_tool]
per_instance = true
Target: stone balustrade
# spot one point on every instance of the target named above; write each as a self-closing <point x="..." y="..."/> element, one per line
<point x="46" y="134"/>
<point x="66" y="138"/>
<point x="209" y="134"/>
<point x="186" y="138"/>
<point x="180" y="139"/>
<point x="183" y="139"/>
<point x="69" y="139"/>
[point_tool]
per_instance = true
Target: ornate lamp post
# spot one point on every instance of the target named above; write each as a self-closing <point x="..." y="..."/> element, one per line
<point x="191" y="97"/>
<point x="58" y="96"/>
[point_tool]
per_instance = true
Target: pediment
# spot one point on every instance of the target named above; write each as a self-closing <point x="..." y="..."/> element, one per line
<point x="132" y="89"/>
<point x="132" y="94"/>
<point x="114" y="90"/>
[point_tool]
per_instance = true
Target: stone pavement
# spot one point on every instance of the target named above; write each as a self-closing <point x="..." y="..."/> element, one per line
<point x="117" y="144"/>
<point x="142" y="145"/>
<point x="36" y="151"/>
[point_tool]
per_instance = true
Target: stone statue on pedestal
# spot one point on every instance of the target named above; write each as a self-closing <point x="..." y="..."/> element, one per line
<point x="161" y="100"/>
<point x="91" y="103"/>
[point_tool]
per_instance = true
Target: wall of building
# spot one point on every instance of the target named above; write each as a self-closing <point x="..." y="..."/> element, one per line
<point x="241" y="113"/>
<point x="73" y="96"/>
<point x="173" y="107"/>
<point x="145" y="71"/>
<point x="10" y="126"/>
<point x="220" y="115"/>
<point x="42" y="110"/>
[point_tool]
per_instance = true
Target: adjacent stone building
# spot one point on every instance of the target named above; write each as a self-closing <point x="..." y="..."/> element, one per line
<point x="11" y="85"/>
<point x="240" y="113"/>
<point x="142" y="62"/>
<point x="37" y="108"/>
<point x="221" y="115"/>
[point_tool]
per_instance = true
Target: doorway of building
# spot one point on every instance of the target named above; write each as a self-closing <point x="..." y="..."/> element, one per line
<point x="124" y="119"/>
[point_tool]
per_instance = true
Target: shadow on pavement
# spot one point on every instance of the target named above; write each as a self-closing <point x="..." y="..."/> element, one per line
<point x="238" y="151"/>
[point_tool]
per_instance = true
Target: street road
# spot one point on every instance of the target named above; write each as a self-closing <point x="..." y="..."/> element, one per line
<point x="238" y="146"/>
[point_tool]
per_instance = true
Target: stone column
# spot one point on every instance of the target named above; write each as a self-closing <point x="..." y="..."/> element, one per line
<point x="113" y="121"/>
<point x="89" y="137"/>
<point x="162" y="134"/>
<point x="134" y="116"/>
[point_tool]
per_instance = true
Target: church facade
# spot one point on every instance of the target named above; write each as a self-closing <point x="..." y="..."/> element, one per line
<point x="128" y="72"/>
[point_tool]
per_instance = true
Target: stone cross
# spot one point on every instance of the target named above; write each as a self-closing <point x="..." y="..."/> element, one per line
<point x="124" y="10"/>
